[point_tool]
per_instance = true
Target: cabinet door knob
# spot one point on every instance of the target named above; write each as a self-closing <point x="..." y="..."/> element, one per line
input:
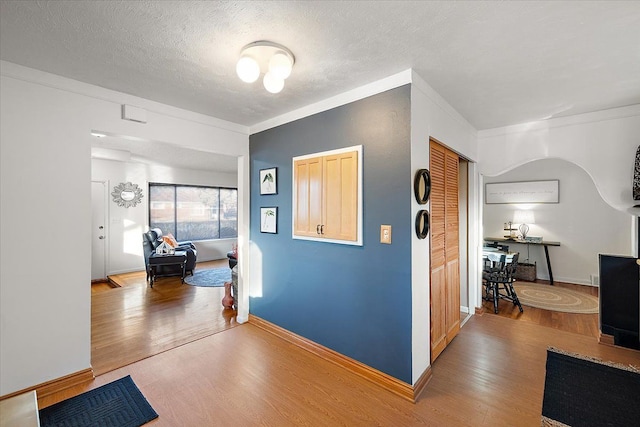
<point x="318" y="229"/>
<point x="322" y="229"/>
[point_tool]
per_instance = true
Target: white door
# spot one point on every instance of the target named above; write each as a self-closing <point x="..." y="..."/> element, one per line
<point x="98" y="231"/>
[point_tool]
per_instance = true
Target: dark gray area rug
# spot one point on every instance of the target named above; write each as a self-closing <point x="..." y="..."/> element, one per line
<point x="581" y="391"/>
<point x="210" y="277"/>
<point x="117" y="404"/>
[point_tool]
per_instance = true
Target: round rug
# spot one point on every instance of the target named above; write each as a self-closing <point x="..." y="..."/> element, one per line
<point x="210" y="278"/>
<point x="555" y="298"/>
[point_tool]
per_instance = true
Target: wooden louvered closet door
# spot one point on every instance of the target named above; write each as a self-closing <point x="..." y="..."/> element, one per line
<point x="445" y="254"/>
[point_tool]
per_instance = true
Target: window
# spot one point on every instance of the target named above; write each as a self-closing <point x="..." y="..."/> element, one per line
<point x="194" y="213"/>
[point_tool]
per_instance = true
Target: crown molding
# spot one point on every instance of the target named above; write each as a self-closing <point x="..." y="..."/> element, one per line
<point x="379" y="86"/>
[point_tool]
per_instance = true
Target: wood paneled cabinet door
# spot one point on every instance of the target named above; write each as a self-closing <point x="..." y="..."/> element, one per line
<point x="326" y="190"/>
<point x="445" y="262"/>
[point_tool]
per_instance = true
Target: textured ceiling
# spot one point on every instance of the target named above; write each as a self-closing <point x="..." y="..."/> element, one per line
<point x="497" y="63"/>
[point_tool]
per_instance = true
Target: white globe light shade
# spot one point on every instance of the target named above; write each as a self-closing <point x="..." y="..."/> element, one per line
<point x="280" y="65"/>
<point x="248" y="69"/>
<point x="272" y="83"/>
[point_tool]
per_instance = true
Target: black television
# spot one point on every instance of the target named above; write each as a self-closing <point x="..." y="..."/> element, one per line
<point x="620" y="299"/>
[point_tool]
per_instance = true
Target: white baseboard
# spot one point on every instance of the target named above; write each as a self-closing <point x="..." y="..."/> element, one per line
<point x="466" y="319"/>
<point x="571" y="280"/>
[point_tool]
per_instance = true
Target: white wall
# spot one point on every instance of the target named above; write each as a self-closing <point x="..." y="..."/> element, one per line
<point x="45" y="300"/>
<point x="431" y="116"/>
<point x="603" y="143"/>
<point x="582" y="222"/>
<point x="45" y="200"/>
<point x="124" y="226"/>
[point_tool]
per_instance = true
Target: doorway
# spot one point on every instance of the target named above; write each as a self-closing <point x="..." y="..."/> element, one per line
<point x="130" y="320"/>
<point x="581" y="221"/>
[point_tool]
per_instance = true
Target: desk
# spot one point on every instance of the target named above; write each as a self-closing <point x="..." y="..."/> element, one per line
<point x="524" y="242"/>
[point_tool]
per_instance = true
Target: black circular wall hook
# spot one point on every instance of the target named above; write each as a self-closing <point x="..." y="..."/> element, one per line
<point x="422" y="186"/>
<point x="422" y="224"/>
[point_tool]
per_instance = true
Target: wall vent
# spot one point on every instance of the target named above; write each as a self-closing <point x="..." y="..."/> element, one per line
<point x="135" y="114"/>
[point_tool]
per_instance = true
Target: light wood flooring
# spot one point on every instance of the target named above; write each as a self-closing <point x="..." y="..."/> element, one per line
<point x="131" y="321"/>
<point x="583" y="324"/>
<point x="134" y="321"/>
<point x="492" y="374"/>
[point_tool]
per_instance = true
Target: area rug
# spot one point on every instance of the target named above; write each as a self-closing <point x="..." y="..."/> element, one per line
<point x="117" y="404"/>
<point x="210" y="277"/>
<point x="556" y="298"/>
<point x="581" y="391"/>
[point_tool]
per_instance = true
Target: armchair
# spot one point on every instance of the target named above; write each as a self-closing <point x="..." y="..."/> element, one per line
<point x="150" y="241"/>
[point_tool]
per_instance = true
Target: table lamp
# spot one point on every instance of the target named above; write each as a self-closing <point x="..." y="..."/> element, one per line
<point x="523" y="218"/>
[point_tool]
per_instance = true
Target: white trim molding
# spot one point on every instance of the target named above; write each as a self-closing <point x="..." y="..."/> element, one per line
<point x="383" y="85"/>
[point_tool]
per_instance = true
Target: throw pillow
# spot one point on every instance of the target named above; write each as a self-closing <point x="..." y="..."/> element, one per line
<point x="170" y="240"/>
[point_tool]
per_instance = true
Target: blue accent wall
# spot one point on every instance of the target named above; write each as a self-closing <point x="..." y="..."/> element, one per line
<point x="355" y="300"/>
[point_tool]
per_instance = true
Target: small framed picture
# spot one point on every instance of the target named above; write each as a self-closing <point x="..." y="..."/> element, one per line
<point x="268" y="181"/>
<point x="269" y="220"/>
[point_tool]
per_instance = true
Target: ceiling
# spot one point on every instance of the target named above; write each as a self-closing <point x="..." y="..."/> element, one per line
<point x="496" y="63"/>
<point x="158" y="153"/>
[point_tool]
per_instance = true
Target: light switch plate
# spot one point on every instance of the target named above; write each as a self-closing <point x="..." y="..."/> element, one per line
<point x="385" y="234"/>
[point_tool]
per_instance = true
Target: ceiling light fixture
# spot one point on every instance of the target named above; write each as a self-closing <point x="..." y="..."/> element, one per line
<point x="264" y="57"/>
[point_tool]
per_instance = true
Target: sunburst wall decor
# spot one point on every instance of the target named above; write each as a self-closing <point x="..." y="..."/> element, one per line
<point x="127" y="194"/>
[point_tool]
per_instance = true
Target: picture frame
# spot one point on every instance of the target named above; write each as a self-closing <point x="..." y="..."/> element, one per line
<point x="522" y="192"/>
<point x="269" y="181"/>
<point x="269" y="220"/>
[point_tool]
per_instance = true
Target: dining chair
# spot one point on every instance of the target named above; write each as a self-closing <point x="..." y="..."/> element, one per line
<point x="499" y="284"/>
<point x="490" y="269"/>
